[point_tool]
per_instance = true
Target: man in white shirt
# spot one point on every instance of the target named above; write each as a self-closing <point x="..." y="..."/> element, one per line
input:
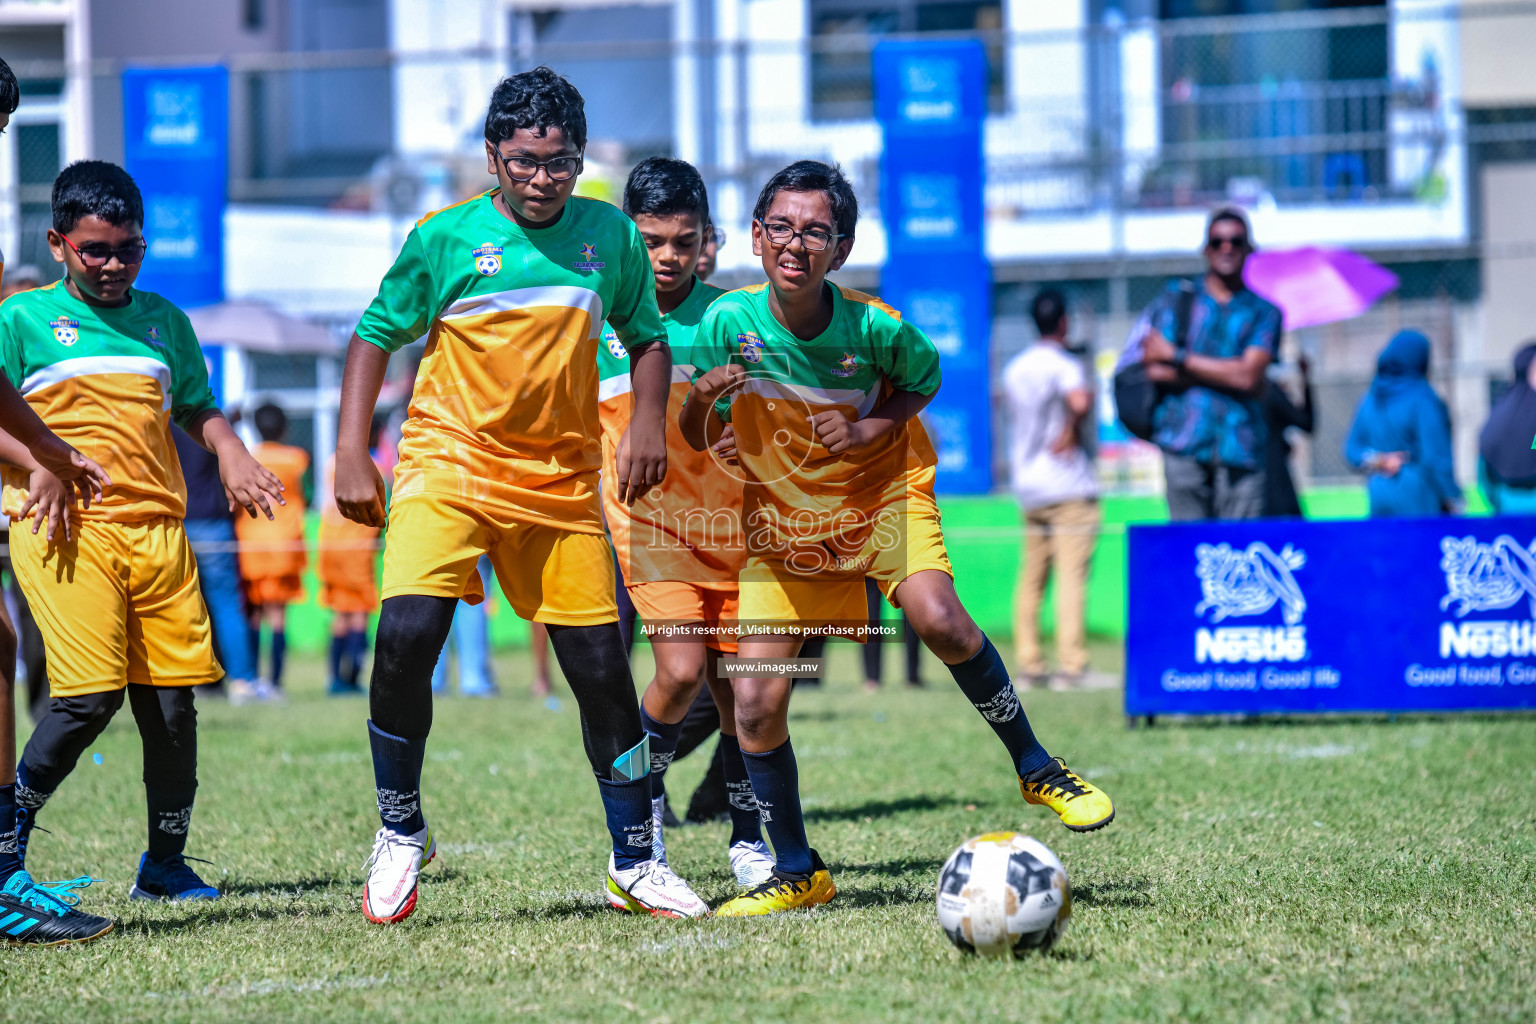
<point x="1048" y="396"/>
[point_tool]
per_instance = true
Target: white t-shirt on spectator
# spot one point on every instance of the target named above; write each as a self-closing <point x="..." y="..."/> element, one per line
<point x="1035" y="387"/>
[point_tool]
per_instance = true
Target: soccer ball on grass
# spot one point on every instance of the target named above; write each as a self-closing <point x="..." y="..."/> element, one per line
<point x="1003" y="894"/>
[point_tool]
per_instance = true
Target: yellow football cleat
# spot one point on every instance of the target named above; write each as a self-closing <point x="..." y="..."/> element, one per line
<point x="1081" y="805"/>
<point x="779" y="894"/>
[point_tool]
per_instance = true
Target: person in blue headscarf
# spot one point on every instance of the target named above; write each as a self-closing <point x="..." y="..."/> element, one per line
<point x="1401" y="437"/>
<point x="1507" y="450"/>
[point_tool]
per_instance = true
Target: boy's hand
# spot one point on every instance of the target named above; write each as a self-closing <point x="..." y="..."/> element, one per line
<point x="718" y="381"/>
<point x="248" y="484"/>
<point x="360" y="494"/>
<point x="725" y="448"/>
<point x="641" y="460"/>
<point x="837" y="432"/>
<point x="49" y="500"/>
<point x="65" y="463"/>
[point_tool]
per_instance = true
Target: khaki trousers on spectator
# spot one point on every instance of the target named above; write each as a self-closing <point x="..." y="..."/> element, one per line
<point x="1062" y="536"/>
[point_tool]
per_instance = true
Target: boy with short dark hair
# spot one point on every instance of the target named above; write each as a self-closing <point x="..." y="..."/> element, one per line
<point x="680" y="548"/>
<point x="500" y="456"/>
<point x="820" y="384"/>
<point x="272" y="555"/>
<point x="117" y="597"/>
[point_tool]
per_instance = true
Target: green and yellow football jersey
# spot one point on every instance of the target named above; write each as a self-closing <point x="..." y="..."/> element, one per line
<point x="688" y="529"/>
<point x="792" y="482"/>
<point x="504" y="411"/>
<point x="108" y="381"/>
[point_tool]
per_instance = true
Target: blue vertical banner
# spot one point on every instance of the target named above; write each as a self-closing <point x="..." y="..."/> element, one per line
<point x="176" y="141"/>
<point x="931" y="101"/>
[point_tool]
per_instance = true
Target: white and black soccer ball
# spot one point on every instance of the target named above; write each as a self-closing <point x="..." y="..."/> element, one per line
<point x="1003" y="894"/>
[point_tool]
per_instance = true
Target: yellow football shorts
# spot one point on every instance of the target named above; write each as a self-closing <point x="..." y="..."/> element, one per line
<point x="673" y="602"/>
<point x="813" y="592"/>
<point x="117" y="604"/>
<point x="550" y="575"/>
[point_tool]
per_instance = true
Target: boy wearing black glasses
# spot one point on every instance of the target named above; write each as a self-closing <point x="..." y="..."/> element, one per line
<point x="821" y="384"/>
<point x="501" y="456"/>
<point x="114" y="587"/>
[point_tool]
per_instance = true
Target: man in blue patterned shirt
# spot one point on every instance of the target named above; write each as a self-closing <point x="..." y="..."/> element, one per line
<point x="1210" y="425"/>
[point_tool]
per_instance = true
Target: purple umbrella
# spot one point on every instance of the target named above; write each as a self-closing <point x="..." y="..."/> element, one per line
<point x="1317" y="286"/>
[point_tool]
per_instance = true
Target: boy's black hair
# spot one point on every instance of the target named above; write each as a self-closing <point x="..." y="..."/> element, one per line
<point x="95" y="188"/>
<point x="271" y="422"/>
<point x="538" y="100"/>
<point x="1048" y="309"/>
<point x="10" y="91"/>
<point x="1232" y="213"/>
<point x="814" y="176"/>
<point x="660" y="185"/>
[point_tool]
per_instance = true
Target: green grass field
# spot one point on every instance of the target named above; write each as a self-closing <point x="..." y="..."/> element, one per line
<point x="1357" y="870"/>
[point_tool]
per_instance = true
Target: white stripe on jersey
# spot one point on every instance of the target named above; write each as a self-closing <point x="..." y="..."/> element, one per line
<point x="87" y="366"/>
<point x="531" y="298"/>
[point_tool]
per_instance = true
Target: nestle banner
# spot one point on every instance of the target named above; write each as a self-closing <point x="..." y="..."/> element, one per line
<point x="1304" y="617"/>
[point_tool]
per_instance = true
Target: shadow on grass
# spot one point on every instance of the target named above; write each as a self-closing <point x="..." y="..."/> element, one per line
<point x="1124" y="893"/>
<point x="881" y="808"/>
<point x="900" y="895"/>
<point x="214" y="914"/>
<point x="289" y="887"/>
<point x="891" y="868"/>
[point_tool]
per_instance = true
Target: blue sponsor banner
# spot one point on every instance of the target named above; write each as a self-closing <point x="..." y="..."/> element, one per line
<point x="176" y="142"/>
<point x="1277" y="616"/>
<point x="930" y="98"/>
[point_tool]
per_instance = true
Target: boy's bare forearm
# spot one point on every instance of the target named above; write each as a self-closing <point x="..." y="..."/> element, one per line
<point x="895" y="411"/>
<point x="17" y="418"/>
<point x="213" y="431"/>
<point x="15" y="453"/>
<point x="361" y="382"/>
<point x="650" y="380"/>
<point x="695" y="422"/>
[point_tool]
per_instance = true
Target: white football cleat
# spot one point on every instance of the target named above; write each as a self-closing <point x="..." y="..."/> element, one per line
<point x="652" y="888"/>
<point x="658" y="843"/>
<point x="752" y="863"/>
<point x="389" y="894"/>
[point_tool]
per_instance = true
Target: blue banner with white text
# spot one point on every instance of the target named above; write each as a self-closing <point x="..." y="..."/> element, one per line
<point x="176" y="144"/>
<point x="930" y="98"/>
<point x="1291" y="616"/>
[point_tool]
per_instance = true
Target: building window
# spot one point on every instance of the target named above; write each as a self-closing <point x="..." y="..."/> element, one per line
<point x="253" y="15"/>
<point x="844" y="34"/>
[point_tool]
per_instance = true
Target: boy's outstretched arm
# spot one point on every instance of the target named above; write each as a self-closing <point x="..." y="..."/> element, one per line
<point x="360" y="494"/>
<point x="642" y="454"/>
<point x="26" y="428"/>
<point x="838" y="433"/>
<point x="700" y="424"/>
<point x="247" y="483"/>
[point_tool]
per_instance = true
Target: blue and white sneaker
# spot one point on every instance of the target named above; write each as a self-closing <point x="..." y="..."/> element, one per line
<point x="45" y="915"/>
<point x="169" y="879"/>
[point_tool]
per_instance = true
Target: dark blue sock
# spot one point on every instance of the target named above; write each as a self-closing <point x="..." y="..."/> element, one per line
<point x="663" y="746"/>
<point x="10" y="856"/>
<point x="397" y="776"/>
<point x="984" y="681"/>
<point x="338" y="657"/>
<point x="746" y="820"/>
<point x="30" y="793"/>
<point x="628" y="808"/>
<point x="359" y="652"/>
<point x="776" y="784"/>
<point x="279" y="650"/>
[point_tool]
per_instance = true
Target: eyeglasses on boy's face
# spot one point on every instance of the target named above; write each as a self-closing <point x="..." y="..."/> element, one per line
<point x="521" y="168"/>
<point x="782" y="235"/>
<point x="97" y="255"/>
<point x="1218" y="242"/>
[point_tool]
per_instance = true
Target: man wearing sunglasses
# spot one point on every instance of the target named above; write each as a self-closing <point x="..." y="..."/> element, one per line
<point x="1210" y="424"/>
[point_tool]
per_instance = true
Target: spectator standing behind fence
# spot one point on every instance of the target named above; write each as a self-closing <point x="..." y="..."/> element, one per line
<point x="1281" y="413"/>
<point x="1401" y="437"/>
<point x="272" y="556"/>
<point x="1506" y="467"/>
<point x="347" y="567"/>
<point x="211" y="530"/>
<point x="1210" y="423"/>
<point x="1047" y="397"/>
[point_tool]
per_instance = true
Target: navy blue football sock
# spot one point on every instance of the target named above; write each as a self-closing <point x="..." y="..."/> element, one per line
<point x="776" y="784"/>
<point x="170" y="814"/>
<point x="31" y="791"/>
<point x="984" y="681"/>
<point x="279" y="652"/>
<point x="10" y="856"/>
<point x="628" y="808"/>
<point x="663" y="747"/>
<point x="338" y="657"/>
<point x="746" y="822"/>
<point x="397" y="776"/>
<point x="358" y="650"/>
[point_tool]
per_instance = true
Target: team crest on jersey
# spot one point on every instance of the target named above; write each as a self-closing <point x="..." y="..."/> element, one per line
<point x="487" y="260"/>
<point x="152" y="337"/>
<point x="588" y="259"/>
<point x="65" y="330"/>
<point x="846" y="366"/>
<point x="750" y="346"/>
<point x="615" y="346"/>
